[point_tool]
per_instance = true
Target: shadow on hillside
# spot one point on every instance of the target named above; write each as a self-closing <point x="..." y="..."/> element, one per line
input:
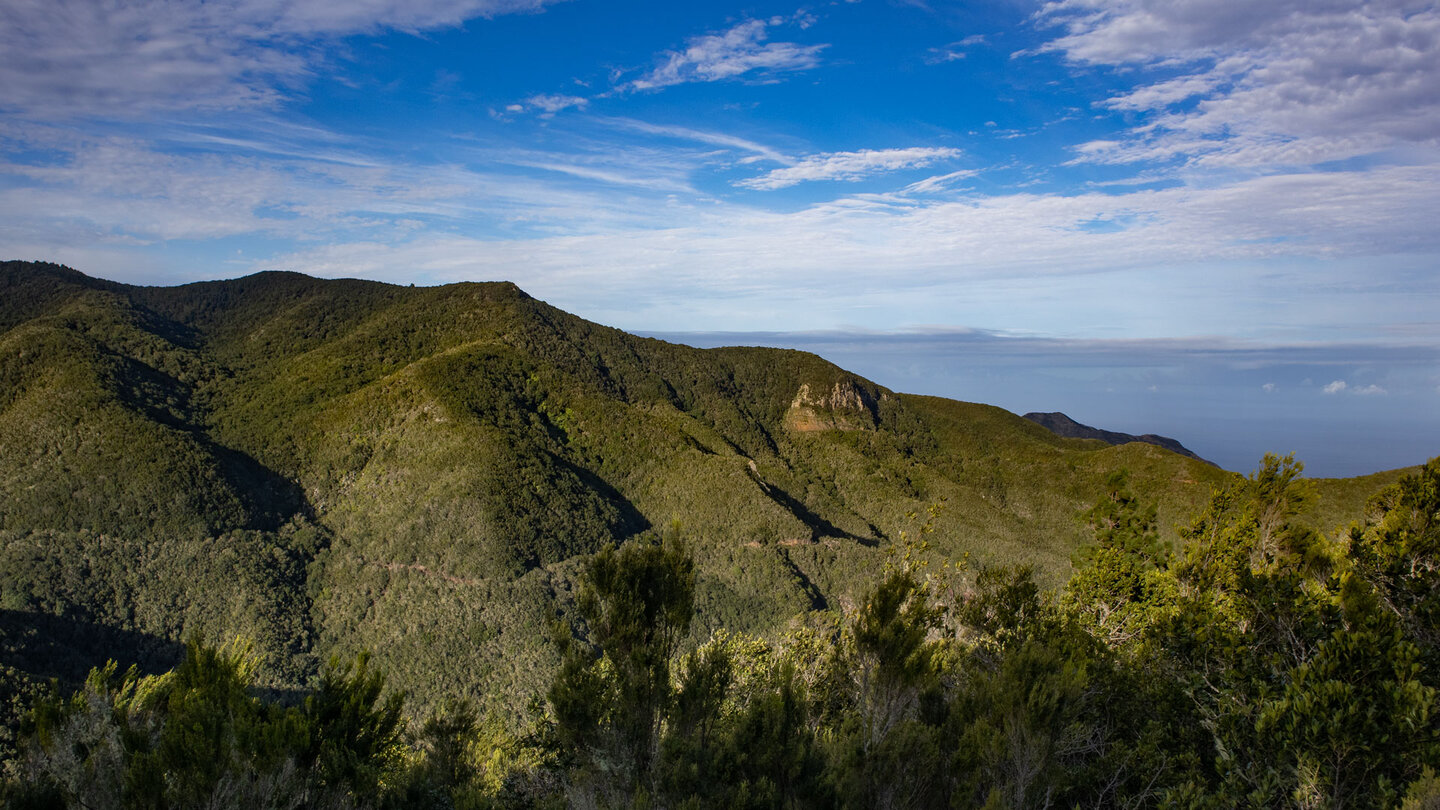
<point x="270" y="498"/>
<point x="66" y="649"/>
<point x="807" y="585"/>
<point x="819" y="526"/>
<point x="629" y="520"/>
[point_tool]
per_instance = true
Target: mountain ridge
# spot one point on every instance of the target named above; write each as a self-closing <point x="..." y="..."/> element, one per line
<point x="1062" y="425"/>
<point x="328" y="466"/>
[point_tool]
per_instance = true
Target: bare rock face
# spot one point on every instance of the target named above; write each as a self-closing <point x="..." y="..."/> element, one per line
<point x="846" y="406"/>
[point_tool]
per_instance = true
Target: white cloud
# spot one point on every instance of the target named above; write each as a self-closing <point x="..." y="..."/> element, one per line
<point x="759" y="150"/>
<point x="1363" y="391"/>
<point x="938" y="183"/>
<point x="623" y="214"/>
<point x="1186" y="255"/>
<point x="613" y="176"/>
<point x="739" y="51"/>
<point x="1268" y="387"/>
<point x="626" y="206"/>
<point x="1162" y="94"/>
<point x="1282" y="83"/>
<point x="547" y="105"/>
<point x="303" y="186"/>
<point x="850" y="166"/>
<point x="92" y="58"/>
<point x="952" y="52"/>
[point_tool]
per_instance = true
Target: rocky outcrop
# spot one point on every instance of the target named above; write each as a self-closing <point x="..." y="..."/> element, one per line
<point x="846" y="406"/>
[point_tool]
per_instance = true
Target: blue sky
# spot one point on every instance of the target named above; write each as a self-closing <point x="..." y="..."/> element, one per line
<point x="1215" y="219"/>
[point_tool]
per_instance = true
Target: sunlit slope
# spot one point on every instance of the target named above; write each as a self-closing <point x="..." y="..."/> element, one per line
<point x="120" y="517"/>
<point x="325" y="466"/>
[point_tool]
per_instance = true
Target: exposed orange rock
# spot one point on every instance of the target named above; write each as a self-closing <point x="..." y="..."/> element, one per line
<point x="846" y="406"/>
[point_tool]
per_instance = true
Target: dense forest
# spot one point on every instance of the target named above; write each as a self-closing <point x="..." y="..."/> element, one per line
<point x="1262" y="664"/>
<point x="286" y="542"/>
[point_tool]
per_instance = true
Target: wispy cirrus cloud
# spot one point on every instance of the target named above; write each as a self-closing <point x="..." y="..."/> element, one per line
<point x="849" y="166"/>
<point x="939" y="183"/>
<point x="88" y="58"/>
<point x="1177" y="262"/>
<point x="303" y="184"/>
<point x="631" y="212"/>
<point x="953" y="52"/>
<point x="758" y="150"/>
<point x="738" y="52"/>
<point x="1275" y="84"/>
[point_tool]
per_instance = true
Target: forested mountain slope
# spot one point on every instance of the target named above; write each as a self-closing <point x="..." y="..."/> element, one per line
<point x="328" y="466"/>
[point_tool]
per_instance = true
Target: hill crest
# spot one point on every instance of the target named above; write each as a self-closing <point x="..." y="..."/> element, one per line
<point x="1062" y="425"/>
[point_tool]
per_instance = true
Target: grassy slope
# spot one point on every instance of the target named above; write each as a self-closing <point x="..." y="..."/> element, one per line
<point x="1341" y="501"/>
<point x="420" y="471"/>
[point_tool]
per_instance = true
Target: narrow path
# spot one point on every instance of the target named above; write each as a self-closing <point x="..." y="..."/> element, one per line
<point x="423" y="569"/>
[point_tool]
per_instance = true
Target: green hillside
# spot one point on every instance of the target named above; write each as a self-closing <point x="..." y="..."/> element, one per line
<point x="328" y="466"/>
